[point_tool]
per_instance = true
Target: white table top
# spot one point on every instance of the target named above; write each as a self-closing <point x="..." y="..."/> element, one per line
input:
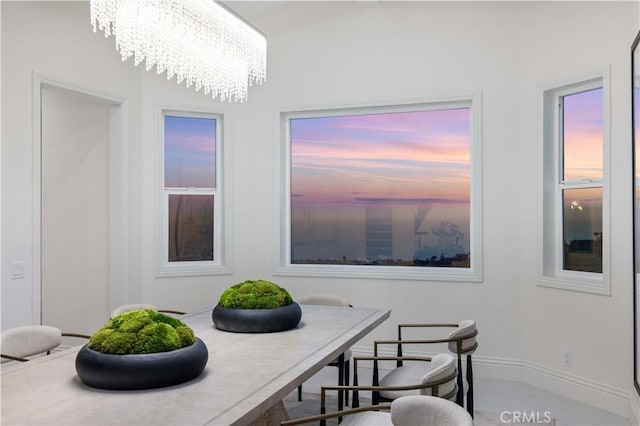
<point x="245" y="376"/>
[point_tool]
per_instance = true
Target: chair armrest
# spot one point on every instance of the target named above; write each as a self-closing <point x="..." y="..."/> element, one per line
<point x="401" y="326"/>
<point x="312" y="419"/>
<point x="375" y="379"/>
<point x="375" y="360"/>
<point x="400" y="341"/>
<point x="414" y="325"/>
<point x="409" y="342"/>
<point x="169" y="311"/>
<point x="389" y="358"/>
<point x="13" y="358"/>
<point x="377" y="388"/>
<point x="427" y="325"/>
<point x="381" y="388"/>
<point x="82" y="336"/>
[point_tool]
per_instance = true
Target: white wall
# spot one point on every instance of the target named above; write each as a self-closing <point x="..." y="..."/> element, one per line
<point x="393" y="53"/>
<point x="383" y="52"/>
<point x="559" y="41"/>
<point x="54" y="40"/>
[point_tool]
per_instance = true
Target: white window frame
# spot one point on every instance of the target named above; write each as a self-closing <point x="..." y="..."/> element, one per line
<point x="552" y="273"/>
<point x="283" y="265"/>
<point x="221" y="223"/>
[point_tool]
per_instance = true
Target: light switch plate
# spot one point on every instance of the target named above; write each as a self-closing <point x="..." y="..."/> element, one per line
<point x="17" y="270"/>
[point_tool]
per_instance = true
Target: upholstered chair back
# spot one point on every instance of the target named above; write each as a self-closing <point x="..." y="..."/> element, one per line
<point x="30" y="340"/>
<point x="414" y="410"/>
<point x="442" y="366"/>
<point x="323" y="300"/>
<point x="469" y="344"/>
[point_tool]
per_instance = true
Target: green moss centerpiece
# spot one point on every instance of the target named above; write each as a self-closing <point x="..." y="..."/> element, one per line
<point x="256" y="306"/>
<point x="260" y="294"/>
<point x="142" y="332"/>
<point x="141" y="349"/>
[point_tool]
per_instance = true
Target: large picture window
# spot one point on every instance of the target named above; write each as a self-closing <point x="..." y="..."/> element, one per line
<point x="575" y="184"/>
<point x="384" y="190"/>
<point x="190" y="225"/>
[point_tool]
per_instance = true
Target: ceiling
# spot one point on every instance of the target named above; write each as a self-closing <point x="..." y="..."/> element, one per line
<point x="272" y="17"/>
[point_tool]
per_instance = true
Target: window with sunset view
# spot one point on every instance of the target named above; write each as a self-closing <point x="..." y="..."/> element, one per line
<point x="575" y="178"/>
<point x="190" y="219"/>
<point x="581" y="184"/>
<point x="382" y="187"/>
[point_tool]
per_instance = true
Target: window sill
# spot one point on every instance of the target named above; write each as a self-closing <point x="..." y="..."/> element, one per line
<point x="191" y="271"/>
<point x="380" y="272"/>
<point x="592" y="286"/>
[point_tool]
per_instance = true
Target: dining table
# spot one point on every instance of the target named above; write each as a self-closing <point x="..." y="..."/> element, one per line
<point x="246" y="377"/>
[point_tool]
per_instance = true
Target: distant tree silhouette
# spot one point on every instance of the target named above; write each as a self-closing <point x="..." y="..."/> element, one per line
<point x="447" y="233"/>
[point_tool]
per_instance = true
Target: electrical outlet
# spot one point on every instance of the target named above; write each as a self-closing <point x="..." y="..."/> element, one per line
<point x="567" y="358"/>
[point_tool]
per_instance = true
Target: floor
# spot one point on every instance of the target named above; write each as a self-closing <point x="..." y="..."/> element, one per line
<point x="496" y="396"/>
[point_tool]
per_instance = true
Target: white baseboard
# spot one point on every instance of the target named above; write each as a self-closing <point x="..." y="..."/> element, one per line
<point x="634" y="409"/>
<point x="596" y="394"/>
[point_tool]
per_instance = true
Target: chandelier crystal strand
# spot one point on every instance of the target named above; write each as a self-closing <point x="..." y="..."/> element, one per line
<point x="196" y="41"/>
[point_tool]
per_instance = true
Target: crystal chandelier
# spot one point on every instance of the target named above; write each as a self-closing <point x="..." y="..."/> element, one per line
<point x="197" y="41"/>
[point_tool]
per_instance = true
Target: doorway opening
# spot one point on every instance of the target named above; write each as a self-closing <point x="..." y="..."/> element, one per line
<point x="81" y="239"/>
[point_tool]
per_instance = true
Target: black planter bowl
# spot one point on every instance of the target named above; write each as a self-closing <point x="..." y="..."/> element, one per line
<point x="141" y="371"/>
<point x="257" y="320"/>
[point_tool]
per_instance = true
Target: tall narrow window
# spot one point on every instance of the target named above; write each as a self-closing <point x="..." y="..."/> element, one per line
<point x="383" y="190"/>
<point x="190" y="195"/>
<point x="189" y="184"/>
<point x="580" y="186"/>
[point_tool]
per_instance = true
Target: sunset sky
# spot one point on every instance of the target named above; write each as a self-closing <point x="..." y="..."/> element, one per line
<point x="583" y="136"/>
<point x="189" y="152"/>
<point x="400" y="157"/>
<point x="419" y="162"/>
